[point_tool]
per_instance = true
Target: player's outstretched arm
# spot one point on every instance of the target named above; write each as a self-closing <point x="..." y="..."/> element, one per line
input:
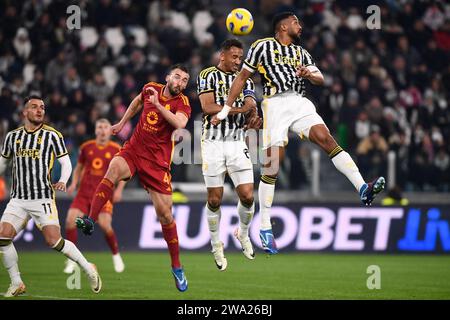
<point x="253" y="121"/>
<point x="3" y="164"/>
<point x="177" y="120"/>
<point x="210" y="107"/>
<point x="75" y="178"/>
<point x="66" y="171"/>
<point x="235" y="90"/>
<point x="134" y="107"/>
<point x="312" y="73"/>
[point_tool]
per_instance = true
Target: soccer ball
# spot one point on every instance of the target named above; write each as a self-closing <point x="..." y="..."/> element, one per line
<point x="239" y="22"/>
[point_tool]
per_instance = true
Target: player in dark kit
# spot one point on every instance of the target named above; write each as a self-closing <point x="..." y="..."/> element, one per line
<point x="148" y="153"/>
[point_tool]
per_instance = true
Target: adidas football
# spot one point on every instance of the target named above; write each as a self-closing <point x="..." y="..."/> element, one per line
<point x="239" y="22"/>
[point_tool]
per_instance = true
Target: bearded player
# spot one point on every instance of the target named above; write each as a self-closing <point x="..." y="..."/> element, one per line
<point x="148" y="154"/>
<point x="93" y="161"/>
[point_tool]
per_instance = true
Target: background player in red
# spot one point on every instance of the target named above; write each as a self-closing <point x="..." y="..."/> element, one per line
<point x="93" y="161"/>
<point x="148" y="153"/>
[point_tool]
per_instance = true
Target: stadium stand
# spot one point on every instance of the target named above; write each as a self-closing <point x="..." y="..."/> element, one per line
<point x="386" y="89"/>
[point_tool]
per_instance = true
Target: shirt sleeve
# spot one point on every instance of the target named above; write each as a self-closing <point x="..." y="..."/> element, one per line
<point x="307" y="59"/>
<point x="205" y="82"/>
<point x="6" y="149"/>
<point x="254" y="56"/>
<point x="184" y="107"/>
<point x="59" y="146"/>
<point x="249" y="89"/>
<point x="143" y="93"/>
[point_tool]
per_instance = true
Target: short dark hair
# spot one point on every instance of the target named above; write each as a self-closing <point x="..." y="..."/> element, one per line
<point x="227" y="44"/>
<point x="180" y="66"/>
<point x="280" y="17"/>
<point x="33" y="96"/>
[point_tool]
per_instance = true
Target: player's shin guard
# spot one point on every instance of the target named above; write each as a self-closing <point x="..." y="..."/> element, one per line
<point x="213" y="216"/>
<point x="245" y="217"/>
<point x="266" y="192"/>
<point x="67" y="248"/>
<point x="111" y="239"/>
<point x="345" y="164"/>
<point x="72" y="234"/>
<point x="103" y="194"/>
<point x="171" y="236"/>
<point x="10" y="260"/>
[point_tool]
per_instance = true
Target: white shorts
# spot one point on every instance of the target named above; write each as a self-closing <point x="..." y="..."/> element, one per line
<point x="18" y="212"/>
<point x="287" y="111"/>
<point x="221" y="156"/>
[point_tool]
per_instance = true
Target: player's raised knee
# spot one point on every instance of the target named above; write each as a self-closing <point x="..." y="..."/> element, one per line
<point x="7" y="231"/>
<point x="214" y="201"/>
<point x="247" y="199"/>
<point x="114" y="172"/>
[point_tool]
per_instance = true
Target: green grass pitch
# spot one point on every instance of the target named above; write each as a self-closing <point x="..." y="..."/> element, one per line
<point x="285" y="276"/>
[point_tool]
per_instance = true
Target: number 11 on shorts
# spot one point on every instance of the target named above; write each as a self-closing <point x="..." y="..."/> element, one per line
<point x="47" y="205"/>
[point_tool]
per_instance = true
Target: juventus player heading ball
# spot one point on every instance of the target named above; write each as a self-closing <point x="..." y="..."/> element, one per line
<point x="284" y="67"/>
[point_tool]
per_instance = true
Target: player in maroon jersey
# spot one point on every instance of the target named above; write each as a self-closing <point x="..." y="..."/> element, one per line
<point x="93" y="161"/>
<point x="148" y="154"/>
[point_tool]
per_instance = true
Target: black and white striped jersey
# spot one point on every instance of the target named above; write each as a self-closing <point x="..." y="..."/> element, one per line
<point x="277" y="64"/>
<point x="33" y="155"/>
<point x="219" y="82"/>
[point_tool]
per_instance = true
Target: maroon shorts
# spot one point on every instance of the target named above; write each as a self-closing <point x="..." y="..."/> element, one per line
<point x="83" y="203"/>
<point x="151" y="176"/>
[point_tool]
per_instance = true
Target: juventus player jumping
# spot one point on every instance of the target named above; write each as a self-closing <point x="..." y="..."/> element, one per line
<point x="223" y="146"/>
<point x="284" y="66"/>
<point x="33" y="148"/>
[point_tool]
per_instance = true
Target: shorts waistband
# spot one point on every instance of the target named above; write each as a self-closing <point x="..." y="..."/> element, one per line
<point x="287" y="93"/>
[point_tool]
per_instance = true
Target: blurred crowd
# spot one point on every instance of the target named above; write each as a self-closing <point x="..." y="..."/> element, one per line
<point x="386" y="89"/>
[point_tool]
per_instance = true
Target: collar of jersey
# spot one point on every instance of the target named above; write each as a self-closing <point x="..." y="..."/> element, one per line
<point x="164" y="98"/>
<point x="285" y="45"/>
<point x="35" y="130"/>
<point x="223" y="70"/>
<point x="100" y="146"/>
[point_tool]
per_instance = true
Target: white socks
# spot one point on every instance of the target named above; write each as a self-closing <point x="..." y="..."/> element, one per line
<point x="213" y="224"/>
<point x="266" y="192"/>
<point x="245" y="217"/>
<point x="345" y="164"/>
<point x="10" y="260"/>
<point x="72" y="252"/>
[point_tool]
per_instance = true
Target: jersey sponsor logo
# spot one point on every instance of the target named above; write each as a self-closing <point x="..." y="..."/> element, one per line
<point x="280" y="59"/>
<point x="152" y="117"/>
<point x="29" y="153"/>
<point x="222" y="92"/>
<point x="97" y="163"/>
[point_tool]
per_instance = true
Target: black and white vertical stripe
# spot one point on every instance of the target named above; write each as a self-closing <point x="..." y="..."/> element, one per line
<point x="219" y="82"/>
<point x="277" y="65"/>
<point x="33" y="155"/>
